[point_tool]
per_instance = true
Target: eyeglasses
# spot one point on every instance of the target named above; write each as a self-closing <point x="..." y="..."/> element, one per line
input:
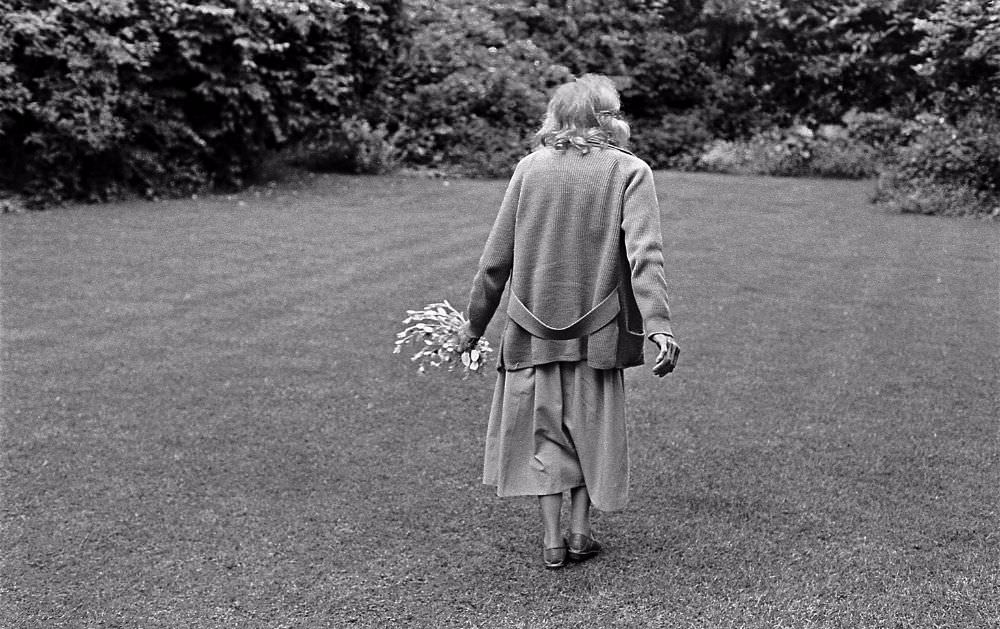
<point x="611" y="113"/>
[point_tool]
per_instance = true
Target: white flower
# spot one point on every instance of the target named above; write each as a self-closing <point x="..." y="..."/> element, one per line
<point x="434" y="330"/>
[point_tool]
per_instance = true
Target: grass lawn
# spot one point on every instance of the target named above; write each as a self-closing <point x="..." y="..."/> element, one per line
<point x="204" y="425"/>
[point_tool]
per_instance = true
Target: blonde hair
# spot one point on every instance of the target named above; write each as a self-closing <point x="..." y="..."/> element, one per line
<point x="584" y="113"/>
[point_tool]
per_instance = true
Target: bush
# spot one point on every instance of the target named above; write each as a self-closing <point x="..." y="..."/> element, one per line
<point x="965" y="152"/>
<point x="674" y="141"/>
<point x="948" y="162"/>
<point x="162" y="96"/>
<point x="462" y="97"/>
<point x="640" y="44"/>
<point x="811" y="60"/>
<point x="354" y="146"/>
<point x="879" y="129"/>
<point x="62" y="95"/>
<point x="928" y="197"/>
<point x="844" y="160"/>
<point x="106" y="98"/>
<point x="796" y="151"/>
<point x="960" y="55"/>
<point x="474" y="80"/>
<point x="946" y="167"/>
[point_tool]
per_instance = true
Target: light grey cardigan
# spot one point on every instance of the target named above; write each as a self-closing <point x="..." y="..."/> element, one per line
<point x="578" y="236"/>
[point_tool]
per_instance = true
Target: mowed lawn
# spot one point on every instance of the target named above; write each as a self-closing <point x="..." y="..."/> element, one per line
<point x="204" y="425"/>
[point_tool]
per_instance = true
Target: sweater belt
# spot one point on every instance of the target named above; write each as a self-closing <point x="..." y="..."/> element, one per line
<point x="598" y="317"/>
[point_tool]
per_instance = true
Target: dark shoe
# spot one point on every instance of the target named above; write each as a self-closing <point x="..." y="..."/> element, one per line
<point x="554" y="558"/>
<point x="582" y="547"/>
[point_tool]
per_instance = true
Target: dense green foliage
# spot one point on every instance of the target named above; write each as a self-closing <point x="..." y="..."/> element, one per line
<point x="99" y="99"/>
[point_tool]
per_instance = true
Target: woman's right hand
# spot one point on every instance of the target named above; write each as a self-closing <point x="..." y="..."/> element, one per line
<point x="465" y="340"/>
<point x="670" y="351"/>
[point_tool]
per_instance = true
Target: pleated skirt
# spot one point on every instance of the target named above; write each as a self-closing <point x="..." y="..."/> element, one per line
<point x="557" y="426"/>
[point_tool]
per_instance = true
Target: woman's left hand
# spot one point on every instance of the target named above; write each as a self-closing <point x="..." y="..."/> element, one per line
<point x="666" y="360"/>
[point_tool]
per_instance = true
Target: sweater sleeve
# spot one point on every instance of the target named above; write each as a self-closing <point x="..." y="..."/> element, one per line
<point x="496" y="262"/>
<point x="644" y="247"/>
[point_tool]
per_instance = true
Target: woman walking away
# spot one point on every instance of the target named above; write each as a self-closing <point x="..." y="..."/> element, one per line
<point x="578" y="237"/>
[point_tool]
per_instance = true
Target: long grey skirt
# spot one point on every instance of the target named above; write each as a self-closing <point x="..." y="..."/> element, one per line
<point x="557" y="426"/>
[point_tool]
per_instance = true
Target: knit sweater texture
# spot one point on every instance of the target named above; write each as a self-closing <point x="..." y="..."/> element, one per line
<point x="573" y="228"/>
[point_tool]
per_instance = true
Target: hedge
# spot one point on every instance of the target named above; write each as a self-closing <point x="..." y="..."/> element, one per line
<point x="105" y="98"/>
<point x="102" y="97"/>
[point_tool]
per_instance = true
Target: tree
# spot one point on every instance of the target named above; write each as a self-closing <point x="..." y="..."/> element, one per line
<point x="960" y="54"/>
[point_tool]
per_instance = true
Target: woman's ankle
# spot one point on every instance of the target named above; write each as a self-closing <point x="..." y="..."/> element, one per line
<point x="580" y="512"/>
<point x="580" y="529"/>
<point x="550" y="507"/>
<point x="556" y="541"/>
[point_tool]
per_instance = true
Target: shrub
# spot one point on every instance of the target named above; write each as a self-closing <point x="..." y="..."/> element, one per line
<point x="643" y="45"/>
<point x="928" y="197"/>
<point x="673" y="141"/>
<point x="462" y="97"/>
<point x="811" y="60"/>
<point x="879" y="129"/>
<point x="106" y="98"/>
<point x="724" y="156"/>
<point x="163" y="96"/>
<point x="948" y="162"/>
<point x="353" y="146"/>
<point x="62" y="96"/>
<point x="842" y="156"/>
<point x="966" y="151"/>
<point x="960" y="54"/>
<point x="946" y="167"/>
<point x="475" y="77"/>
<point x="795" y="151"/>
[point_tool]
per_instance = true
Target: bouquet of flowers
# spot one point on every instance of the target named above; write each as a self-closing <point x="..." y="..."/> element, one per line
<point x="434" y="329"/>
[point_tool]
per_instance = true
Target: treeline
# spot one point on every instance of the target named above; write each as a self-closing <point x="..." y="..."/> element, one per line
<point x="105" y="98"/>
